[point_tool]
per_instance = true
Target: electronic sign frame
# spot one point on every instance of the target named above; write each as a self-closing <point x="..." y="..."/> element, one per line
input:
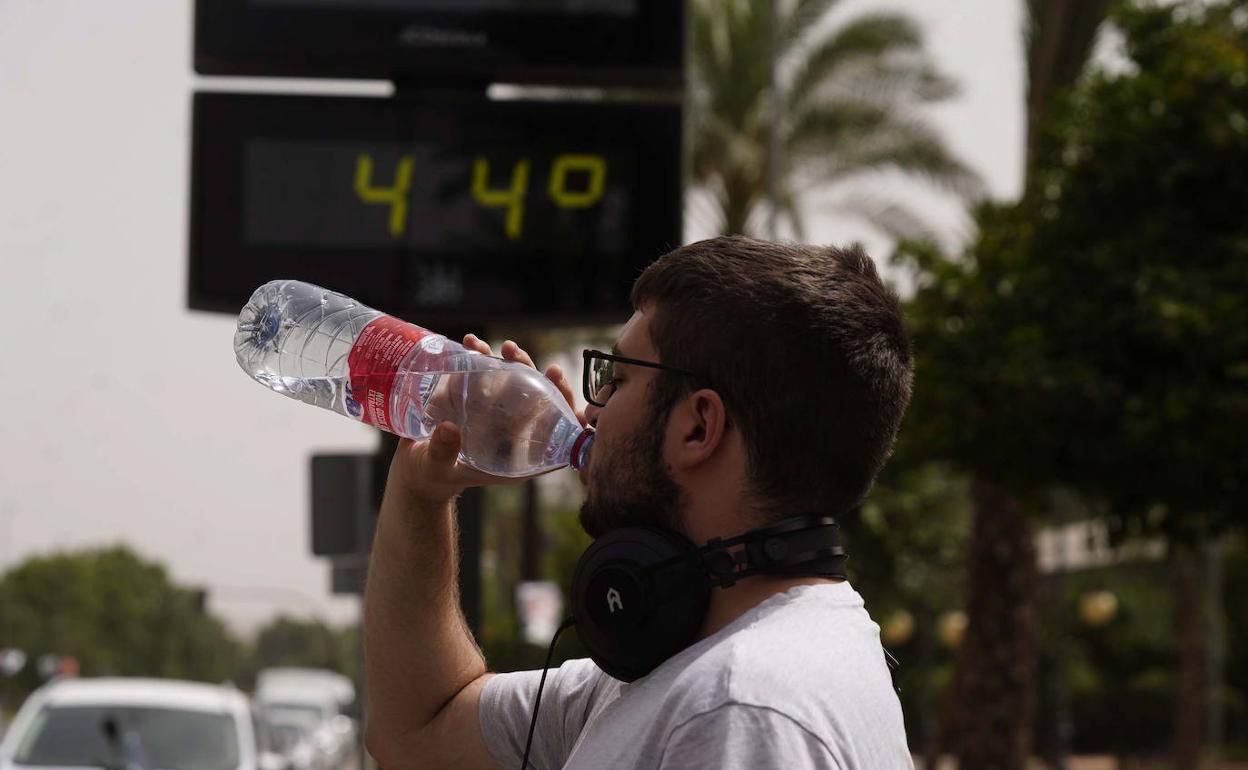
<point x="589" y="42"/>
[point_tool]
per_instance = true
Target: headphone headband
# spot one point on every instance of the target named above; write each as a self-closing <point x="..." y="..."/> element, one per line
<point x="802" y="546"/>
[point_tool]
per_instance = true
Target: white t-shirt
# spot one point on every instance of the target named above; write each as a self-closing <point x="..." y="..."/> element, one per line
<point x="797" y="682"/>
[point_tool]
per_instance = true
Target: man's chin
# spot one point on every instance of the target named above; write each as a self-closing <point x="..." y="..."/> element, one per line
<point x="589" y="520"/>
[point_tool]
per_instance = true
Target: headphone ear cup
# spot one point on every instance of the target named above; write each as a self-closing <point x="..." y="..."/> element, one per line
<point x="629" y="618"/>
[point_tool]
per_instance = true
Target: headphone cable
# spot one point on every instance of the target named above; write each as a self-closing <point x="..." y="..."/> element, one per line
<point x="537" y="702"/>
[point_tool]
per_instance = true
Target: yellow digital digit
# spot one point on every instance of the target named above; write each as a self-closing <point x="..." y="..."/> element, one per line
<point x="511" y="198"/>
<point x="395" y="197"/>
<point x="595" y="166"/>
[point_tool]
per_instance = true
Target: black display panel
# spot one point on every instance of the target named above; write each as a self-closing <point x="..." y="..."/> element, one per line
<point x="449" y="209"/>
<point x="607" y="42"/>
<point x="620" y="7"/>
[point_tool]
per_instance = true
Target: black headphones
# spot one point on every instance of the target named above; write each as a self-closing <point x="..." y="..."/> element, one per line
<point x="639" y="594"/>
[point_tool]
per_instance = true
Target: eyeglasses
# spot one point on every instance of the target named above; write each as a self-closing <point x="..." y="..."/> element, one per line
<point x="599" y="374"/>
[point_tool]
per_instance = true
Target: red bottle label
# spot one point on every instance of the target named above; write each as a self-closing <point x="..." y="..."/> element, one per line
<point x="372" y="365"/>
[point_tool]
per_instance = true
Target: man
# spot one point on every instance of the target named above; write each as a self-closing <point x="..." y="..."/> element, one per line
<point x="777" y="377"/>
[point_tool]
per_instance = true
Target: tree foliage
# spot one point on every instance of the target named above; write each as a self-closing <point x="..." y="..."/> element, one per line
<point x="289" y="641"/>
<point x="1139" y="263"/>
<point x="303" y="643"/>
<point x="1099" y="337"/>
<point x="117" y="613"/>
<point x="847" y="107"/>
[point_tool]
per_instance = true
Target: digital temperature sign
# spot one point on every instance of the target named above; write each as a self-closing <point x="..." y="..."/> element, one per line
<point x="451" y="208"/>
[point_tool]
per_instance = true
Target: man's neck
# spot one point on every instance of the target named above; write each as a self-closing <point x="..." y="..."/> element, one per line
<point x="728" y="604"/>
<point x="720" y="509"/>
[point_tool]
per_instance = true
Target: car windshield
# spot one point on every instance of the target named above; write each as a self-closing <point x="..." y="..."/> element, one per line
<point x="288" y="736"/>
<point x="169" y="739"/>
<point x="300" y="713"/>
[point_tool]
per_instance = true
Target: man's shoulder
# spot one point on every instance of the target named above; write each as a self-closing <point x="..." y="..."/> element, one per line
<point x="807" y="662"/>
<point x="806" y="647"/>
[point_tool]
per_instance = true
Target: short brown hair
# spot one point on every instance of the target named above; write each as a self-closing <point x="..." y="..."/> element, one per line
<point x="807" y="348"/>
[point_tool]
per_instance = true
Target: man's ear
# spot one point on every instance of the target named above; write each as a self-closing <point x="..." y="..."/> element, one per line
<point x="697" y="426"/>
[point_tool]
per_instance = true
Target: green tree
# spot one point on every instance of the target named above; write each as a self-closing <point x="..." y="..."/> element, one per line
<point x="847" y="108"/>
<point x="971" y="407"/>
<point x="1095" y="335"/>
<point x="1142" y="187"/>
<point x="117" y="613"/>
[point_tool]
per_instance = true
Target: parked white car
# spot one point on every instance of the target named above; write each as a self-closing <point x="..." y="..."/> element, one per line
<point x="145" y="723"/>
<point x="297" y="741"/>
<point x="314" y="698"/>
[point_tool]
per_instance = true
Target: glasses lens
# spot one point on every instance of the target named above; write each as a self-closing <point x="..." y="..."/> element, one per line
<point x="601" y="374"/>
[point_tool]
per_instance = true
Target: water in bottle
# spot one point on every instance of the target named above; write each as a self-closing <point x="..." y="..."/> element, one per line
<point x="326" y="349"/>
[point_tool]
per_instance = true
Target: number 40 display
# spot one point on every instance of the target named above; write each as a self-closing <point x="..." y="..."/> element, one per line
<point x="511" y="198"/>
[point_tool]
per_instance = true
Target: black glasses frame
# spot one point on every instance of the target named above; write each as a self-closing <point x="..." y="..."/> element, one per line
<point x="588" y="356"/>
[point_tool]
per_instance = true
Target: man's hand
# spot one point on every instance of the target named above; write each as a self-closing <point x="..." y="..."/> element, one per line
<point x="429" y="471"/>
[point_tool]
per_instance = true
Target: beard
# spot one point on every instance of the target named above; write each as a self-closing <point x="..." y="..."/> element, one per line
<point x="633" y="487"/>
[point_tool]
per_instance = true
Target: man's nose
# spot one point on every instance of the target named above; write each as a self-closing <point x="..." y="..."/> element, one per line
<point x="591" y="414"/>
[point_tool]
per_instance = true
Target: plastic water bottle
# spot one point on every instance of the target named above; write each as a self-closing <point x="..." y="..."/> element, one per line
<point x="326" y="349"/>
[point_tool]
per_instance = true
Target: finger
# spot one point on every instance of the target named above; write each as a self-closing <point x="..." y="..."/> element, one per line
<point x="554" y="373"/>
<point x="444" y="446"/>
<point x="473" y="342"/>
<point x="513" y="352"/>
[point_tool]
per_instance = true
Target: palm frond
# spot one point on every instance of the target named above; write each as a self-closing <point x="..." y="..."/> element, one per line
<point x="799" y="22"/>
<point x="908" y="146"/>
<point x="847" y="97"/>
<point x="712" y="140"/>
<point x="889" y="216"/>
<point x="705" y="51"/>
<point x="896" y="85"/>
<point x="833" y="124"/>
<point x="746" y="80"/>
<point x="873" y="38"/>
<point x="901" y="82"/>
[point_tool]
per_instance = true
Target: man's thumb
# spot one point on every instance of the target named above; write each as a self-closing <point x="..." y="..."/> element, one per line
<point x="444" y="444"/>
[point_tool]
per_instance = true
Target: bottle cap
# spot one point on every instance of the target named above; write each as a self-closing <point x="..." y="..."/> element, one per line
<point x="580" y="450"/>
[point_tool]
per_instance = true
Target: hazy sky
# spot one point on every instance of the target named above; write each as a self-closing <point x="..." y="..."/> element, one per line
<point x="125" y="417"/>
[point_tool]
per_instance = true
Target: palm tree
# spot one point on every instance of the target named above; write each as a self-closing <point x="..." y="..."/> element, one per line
<point x="846" y="109"/>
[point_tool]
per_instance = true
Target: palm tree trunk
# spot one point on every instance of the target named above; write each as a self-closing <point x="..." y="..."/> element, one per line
<point x="994" y="670"/>
<point x="736" y="212"/>
<point x="1189" y="649"/>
